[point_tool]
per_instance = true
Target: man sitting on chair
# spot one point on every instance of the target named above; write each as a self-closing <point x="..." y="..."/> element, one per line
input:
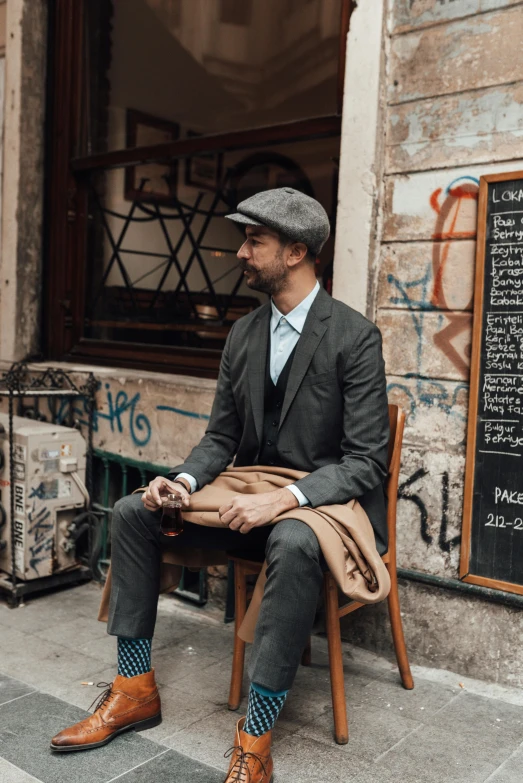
<point x="301" y="385"/>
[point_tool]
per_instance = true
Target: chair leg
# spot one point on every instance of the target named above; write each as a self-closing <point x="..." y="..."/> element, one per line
<point x="238" y="656"/>
<point x="306" y="658"/>
<point x="341" y="729"/>
<point x="397" y="631"/>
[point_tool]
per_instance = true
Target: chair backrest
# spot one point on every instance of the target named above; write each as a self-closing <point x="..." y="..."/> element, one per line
<point x="397" y="425"/>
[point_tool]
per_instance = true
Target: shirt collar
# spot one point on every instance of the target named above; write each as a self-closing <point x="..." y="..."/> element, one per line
<point x="296" y="318"/>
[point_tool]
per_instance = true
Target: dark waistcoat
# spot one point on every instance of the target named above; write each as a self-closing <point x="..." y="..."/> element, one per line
<point x="273" y="402"/>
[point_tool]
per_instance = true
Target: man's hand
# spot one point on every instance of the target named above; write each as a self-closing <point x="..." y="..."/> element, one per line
<point x="159" y="488"/>
<point x="247" y="511"/>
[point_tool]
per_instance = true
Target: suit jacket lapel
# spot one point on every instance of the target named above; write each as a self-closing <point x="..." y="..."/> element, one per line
<point x="256" y="364"/>
<point x="311" y="336"/>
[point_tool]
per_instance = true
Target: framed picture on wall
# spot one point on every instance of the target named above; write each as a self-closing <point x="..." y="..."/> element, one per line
<point x="150" y="181"/>
<point x="203" y="170"/>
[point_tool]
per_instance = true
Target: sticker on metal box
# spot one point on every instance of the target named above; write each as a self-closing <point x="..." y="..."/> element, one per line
<point x="65" y="489"/>
<point x="19" y="470"/>
<point x="19" y="490"/>
<point x="48" y="452"/>
<point x="19" y="452"/>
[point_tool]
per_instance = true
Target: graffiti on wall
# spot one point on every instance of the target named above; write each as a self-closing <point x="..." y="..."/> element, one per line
<point x="460" y="195"/>
<point x="430" y="293"/>
<point x="123" y="414"/>
<point x="407" y="492"/>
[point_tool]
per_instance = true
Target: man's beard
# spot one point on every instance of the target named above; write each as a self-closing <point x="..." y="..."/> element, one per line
<point x="271" y="280"/>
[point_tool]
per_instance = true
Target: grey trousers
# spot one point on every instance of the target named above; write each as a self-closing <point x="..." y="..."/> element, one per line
<point x="295" y="567"/>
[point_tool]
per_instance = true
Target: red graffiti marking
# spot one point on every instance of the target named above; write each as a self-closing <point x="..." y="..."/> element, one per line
<point x="452" y="202"/>
<point x="445" y="231"/>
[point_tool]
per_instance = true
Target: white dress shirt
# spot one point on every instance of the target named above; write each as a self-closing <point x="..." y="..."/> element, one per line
<point x="285" y="333"/>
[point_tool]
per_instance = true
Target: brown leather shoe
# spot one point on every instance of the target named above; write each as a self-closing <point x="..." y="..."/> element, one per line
<point x="251" y="760"/>
<point x="128" y="703"/>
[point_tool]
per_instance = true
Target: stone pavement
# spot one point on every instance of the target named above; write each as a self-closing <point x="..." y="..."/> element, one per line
<point x="448" y="730"/>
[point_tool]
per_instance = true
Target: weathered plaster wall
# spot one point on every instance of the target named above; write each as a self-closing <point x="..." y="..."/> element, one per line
<point x="23" y="175"/>
<point x="453" y="84"/>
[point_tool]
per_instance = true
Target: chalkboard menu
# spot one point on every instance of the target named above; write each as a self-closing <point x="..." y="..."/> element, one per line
<point x="492" y="543"/>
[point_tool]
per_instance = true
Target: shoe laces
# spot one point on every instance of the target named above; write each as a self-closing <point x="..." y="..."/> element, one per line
<point x="104" y="697"/>
<point x="241" y="769"/>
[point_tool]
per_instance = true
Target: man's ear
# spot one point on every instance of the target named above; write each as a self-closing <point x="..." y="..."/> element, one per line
<point x="297" y="253"/>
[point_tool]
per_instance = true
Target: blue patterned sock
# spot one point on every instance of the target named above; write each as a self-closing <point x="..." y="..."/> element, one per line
<point x="263" y="709"/>
<point x="134" y="656"/>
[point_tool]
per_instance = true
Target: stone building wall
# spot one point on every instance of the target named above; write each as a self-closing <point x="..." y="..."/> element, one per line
<point x="453" y="94"/>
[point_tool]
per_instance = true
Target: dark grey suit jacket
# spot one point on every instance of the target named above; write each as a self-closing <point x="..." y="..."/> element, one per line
<point x="334" y="420"/>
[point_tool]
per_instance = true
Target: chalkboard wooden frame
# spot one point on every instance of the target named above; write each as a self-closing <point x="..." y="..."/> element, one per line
<point x="475" y="367"/>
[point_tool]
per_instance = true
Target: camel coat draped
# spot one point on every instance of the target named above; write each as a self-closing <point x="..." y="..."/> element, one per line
<point x="344" y="532"/>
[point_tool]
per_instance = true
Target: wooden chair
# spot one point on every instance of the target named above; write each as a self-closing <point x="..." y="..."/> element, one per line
<point x="334" y="612"/>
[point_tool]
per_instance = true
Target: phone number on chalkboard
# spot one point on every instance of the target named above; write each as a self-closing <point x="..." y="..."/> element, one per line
<point x="497" y="520"/>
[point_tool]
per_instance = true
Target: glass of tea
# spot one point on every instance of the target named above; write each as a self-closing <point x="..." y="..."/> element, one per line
<point x="172" y="520"/>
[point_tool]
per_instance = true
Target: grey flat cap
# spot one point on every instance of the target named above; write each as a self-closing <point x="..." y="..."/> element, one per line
<point x="289" y="212"/>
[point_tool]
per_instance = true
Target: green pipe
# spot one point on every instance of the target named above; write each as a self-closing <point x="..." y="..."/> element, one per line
<point x="130" y="462"/>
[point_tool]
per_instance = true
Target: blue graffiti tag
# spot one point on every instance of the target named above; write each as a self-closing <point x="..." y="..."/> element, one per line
<point x="122" y="404"/>
<point x="38" y="492"/>
<point x="119" y="408"/>
<point x="181" y="412"/>
<point x="427" y="391"/>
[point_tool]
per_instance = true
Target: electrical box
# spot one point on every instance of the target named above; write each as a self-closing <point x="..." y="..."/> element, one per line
<point x="46" y="496"/>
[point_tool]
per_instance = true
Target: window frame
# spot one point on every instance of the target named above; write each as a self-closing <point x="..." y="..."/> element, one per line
<point x="66" y="197"/>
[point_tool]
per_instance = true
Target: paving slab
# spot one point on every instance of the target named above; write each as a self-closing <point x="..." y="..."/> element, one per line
<point x="511" y="771"/>
<point x="172" y="767"/>
<point x="183" y="667"/>
<point x="171" y="630"/>
<point x="424" y="700"/>
<point x="82" y="634"/>
<point x="484" y="720"/>
<point x="43" y="610"/>
<point x="39" y="662"/>
<point x="11" y="689"/>
<point x="437" y="754"/>
<point x="299" y="709"/>
<point x="179" y="712"/>
<point x="27" y="725"/>
<point x="307" y="761"/>
<point x="372" y="731"/>
<point x="11" y="774"/>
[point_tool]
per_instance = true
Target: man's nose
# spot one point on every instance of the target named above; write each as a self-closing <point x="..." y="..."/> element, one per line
<point x="243" y="252"/>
